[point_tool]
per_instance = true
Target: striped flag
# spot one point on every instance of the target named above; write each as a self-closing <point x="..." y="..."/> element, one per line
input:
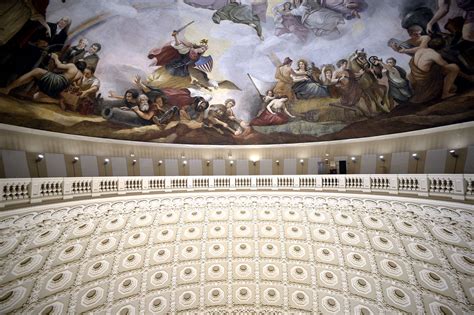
<point x="204" y="63"/>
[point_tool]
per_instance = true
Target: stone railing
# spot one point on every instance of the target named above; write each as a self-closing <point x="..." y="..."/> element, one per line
<point x="34" y="190"/>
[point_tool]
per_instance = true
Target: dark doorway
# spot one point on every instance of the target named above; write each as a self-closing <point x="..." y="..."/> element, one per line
<point x="342" y="167"/>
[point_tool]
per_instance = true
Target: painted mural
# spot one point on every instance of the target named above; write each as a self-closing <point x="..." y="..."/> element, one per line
<point x="236" y="71"/>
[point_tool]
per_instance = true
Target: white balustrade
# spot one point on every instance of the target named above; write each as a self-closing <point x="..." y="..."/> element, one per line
<point x="23" y="190"/>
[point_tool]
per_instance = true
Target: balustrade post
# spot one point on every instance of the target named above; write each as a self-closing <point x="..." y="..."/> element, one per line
<point x="232" y="183"/>
<point x="35" y="190"/>
<point x="96" y="186"/>
<point x="253" y="183"/>
<point x="459" y="187"/>
<point x="2" y="187"/>
<point x="423" y="185"/>
<point x="212" y="183"/>
<point x="393" y="184"/>
<point x="189" y="184"/>
<point x="67" y="187"/>
<point x="341" y="185"/>
<point x="296" y="182"/>
<point x="121" y="185"/>
<point x="319" y="183"/>
<point x="275" y="183"/>
<point x="366" y="185"/>
<point x="168" y="184"/>
<point x="145" y="184"/>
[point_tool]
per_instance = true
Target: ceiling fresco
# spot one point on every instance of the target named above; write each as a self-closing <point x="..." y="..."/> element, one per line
<point x="236" y="71"/>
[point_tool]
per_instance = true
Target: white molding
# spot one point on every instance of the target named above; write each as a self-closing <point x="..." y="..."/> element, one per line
<point x="31" y="131"/>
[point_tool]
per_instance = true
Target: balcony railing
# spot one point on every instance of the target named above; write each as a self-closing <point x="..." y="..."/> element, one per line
<point x="34" y="190"/>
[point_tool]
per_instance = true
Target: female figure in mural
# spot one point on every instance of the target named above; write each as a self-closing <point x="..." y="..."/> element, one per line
<point x="276" y="113"/>
<point x="288" y="23"/>
<point x="328" y="80"/>
<point x="305" y="87"/>
<point x="178" y="56"/>
<point x="321" y="21"/>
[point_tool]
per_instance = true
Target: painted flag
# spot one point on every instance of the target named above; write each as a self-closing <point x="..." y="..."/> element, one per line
<point x="204" y="63"/>
<point x="261" y="86"/>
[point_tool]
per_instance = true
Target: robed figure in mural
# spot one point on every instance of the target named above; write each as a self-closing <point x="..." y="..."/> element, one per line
<point x="348" y="8"/>
<point x="178" y="61"/>
<point x="239" y="13"/>
<point x="207" y="4"/>
<point x="180" y="55"/>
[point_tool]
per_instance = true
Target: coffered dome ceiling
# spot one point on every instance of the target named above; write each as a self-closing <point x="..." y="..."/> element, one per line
<point x="290" y="253"/>
<point x="338" y="69"/>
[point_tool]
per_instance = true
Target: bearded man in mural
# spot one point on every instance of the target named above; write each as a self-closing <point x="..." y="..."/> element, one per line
<point x="431" y="76"/>
<point x="188" y="104"/>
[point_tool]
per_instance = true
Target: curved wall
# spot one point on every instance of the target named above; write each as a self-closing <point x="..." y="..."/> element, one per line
<point x="431" y="145"/>
<point x="240" y="59"/>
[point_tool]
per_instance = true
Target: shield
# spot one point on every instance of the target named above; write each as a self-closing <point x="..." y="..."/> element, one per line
<point x="204" y="63"/>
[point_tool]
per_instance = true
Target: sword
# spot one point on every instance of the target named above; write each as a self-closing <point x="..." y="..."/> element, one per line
<point x="182" y="28"/>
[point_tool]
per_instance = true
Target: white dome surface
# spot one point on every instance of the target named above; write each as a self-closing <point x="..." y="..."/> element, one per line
<point x="216" y="253"/>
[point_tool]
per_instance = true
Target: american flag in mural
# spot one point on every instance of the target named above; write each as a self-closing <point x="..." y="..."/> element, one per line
<point x="204" y="63"/>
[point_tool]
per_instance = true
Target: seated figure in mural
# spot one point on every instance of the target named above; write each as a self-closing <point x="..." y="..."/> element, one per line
<point x="398" y="85"/>
<point x="321" y="21"/>
<point x="304" y="86"/>
<point x="238" y="13"/>
<point x="288" y="23"/>
<point x="51" y="85"/>
<point x="431" y="76"/>
<point x="276" y="113"/>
